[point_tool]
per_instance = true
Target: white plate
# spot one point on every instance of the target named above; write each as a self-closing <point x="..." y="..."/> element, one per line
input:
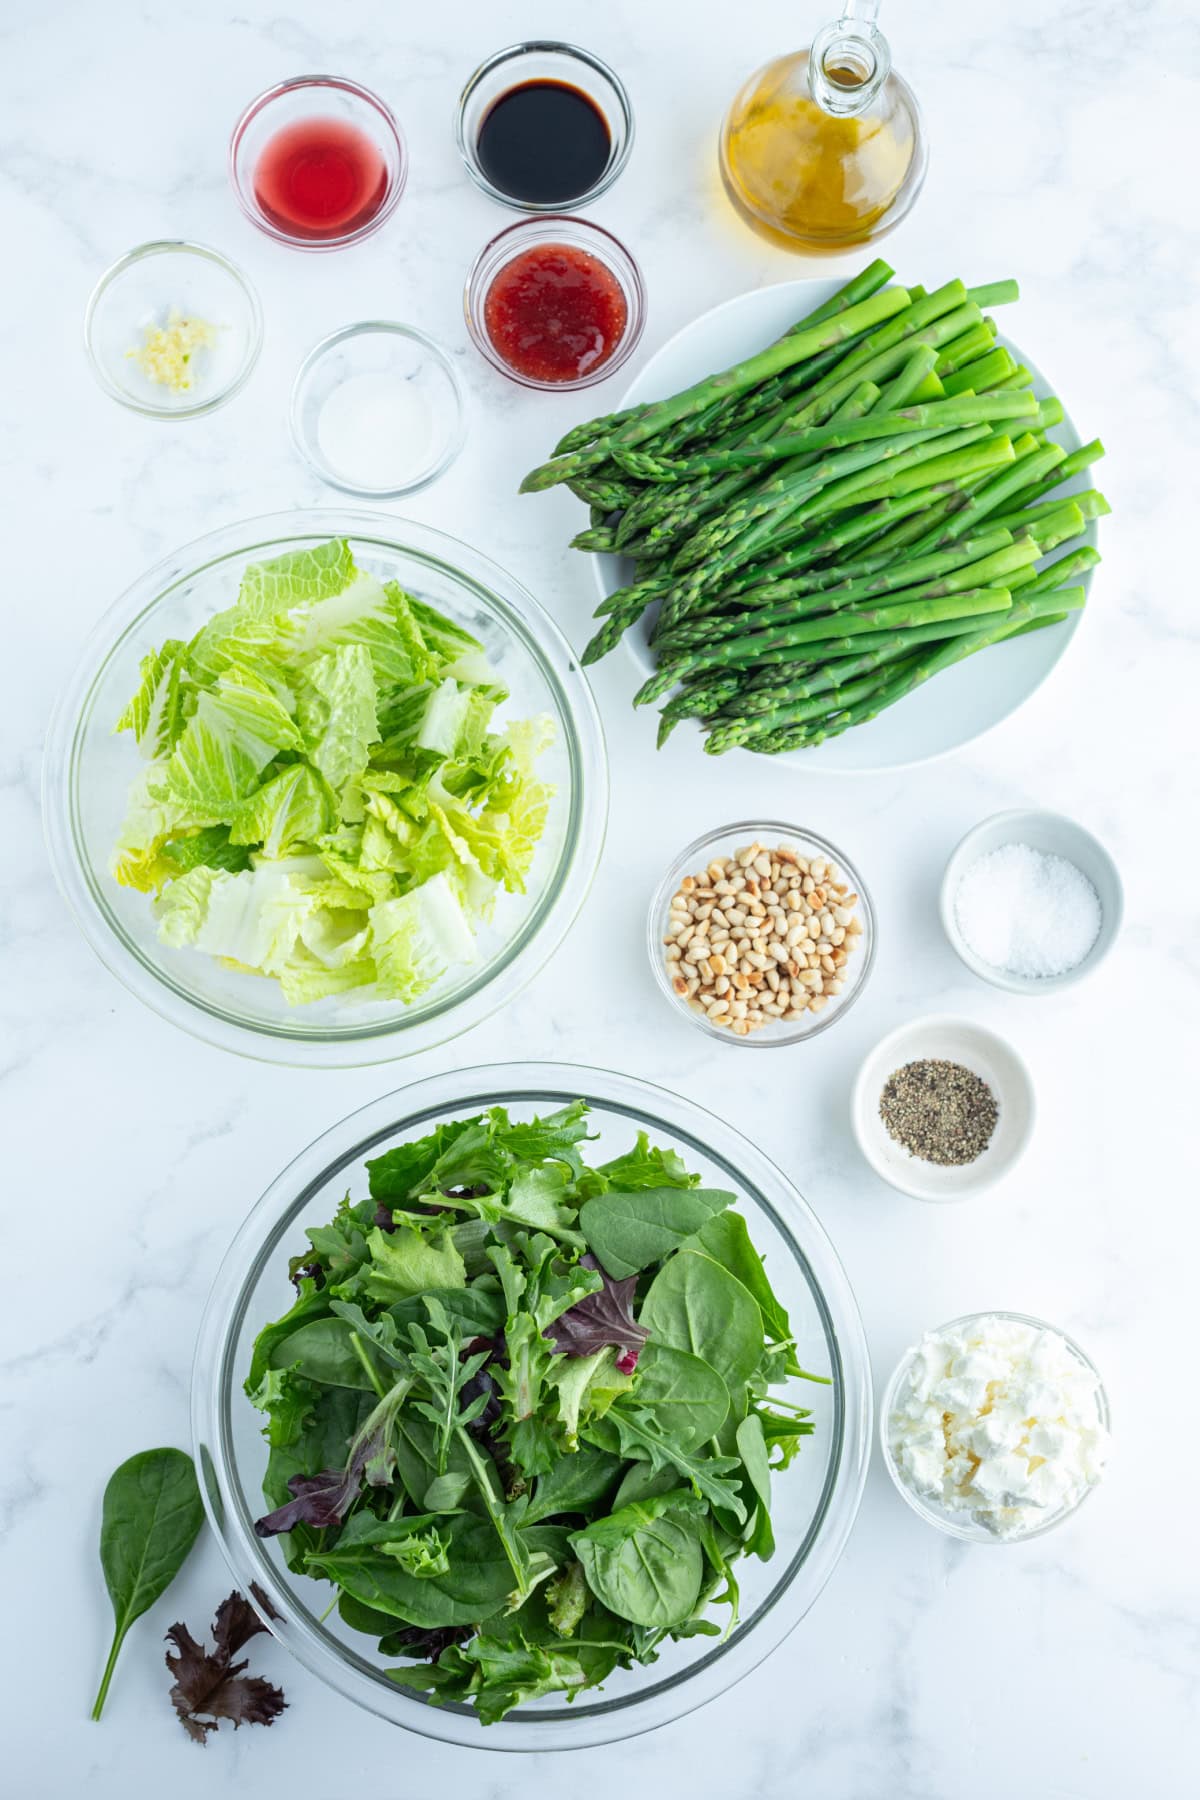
<point x="956" y="706"/>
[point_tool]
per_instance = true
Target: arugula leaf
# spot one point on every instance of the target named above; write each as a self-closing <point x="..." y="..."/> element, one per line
<point x="628" y="1232"/>
<point x="152" y="1517"/>
<point x="634" y="1431"/>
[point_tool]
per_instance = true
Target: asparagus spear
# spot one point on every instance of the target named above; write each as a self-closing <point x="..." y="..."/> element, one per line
<point x="783" y="644"/>
<point x="906" y="420"/>
<point x="743" y="375"/>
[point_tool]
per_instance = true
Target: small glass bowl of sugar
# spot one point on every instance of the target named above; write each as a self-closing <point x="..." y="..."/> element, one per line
<point x="377" y="410"/>
<point x="1031" y="902"/>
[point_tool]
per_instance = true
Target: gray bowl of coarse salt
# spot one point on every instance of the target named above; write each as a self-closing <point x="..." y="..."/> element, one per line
<point x="1031" y="902"/>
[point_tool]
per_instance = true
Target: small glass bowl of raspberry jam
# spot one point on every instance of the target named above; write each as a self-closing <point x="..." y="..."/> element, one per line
<point x="318" y="162"/>
<point x="555" y="303"/>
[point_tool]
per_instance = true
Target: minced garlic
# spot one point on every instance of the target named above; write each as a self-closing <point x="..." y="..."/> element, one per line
<point x="166" y="354"/>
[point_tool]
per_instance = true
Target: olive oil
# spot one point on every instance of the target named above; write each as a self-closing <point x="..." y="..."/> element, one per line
<point x="823" y="148"/>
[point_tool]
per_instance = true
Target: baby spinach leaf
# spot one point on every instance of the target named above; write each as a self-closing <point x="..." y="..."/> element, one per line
<point x="693" y="1304"/>
<point x="628" y="1232"/>
<point x="477" y="1311"/>
<point x="476" y="1585"/>
<point x="323" y="1351"/>
<point x="644" y="1562"/>
<point x="752" y="1448"/>
<point x="689" y="1399"/>
<point x="312" y="1303"/>
<point x="641" y="1482"/>
<point x="574" y="1484"/>
<point x="151" y="1518"/>
<point x="726" y="1239"/>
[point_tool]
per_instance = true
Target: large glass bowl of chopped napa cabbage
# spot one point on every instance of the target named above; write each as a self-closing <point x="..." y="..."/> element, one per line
<point x="326" y="788"/>
<point x="535" y="1403"/>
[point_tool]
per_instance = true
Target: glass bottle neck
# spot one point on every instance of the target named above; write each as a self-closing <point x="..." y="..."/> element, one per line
<point x="849" y="61"/>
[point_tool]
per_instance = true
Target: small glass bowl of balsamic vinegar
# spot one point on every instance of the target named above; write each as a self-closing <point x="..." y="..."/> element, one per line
<point x="318" y="162"/>
<point x="544" y="127"/>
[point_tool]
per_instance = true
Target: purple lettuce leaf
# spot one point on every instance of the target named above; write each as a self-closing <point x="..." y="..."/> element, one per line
<point x="601" y="1319"/>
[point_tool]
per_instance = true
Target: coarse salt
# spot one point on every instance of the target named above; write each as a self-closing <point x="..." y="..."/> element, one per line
<point x="1027" y="911"/>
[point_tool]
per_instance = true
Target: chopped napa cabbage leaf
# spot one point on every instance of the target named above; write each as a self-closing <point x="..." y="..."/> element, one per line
<point x="294" y="807"/>
<point x="238" y="727"/>
<point x="157" y="713"/>
<point x="326" y="800"/>
<point x="337" y="713"/>
<point x="416" y="938"/>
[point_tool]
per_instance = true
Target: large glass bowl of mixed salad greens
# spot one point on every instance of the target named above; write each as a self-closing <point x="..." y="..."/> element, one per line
<point x="326" y="787"/>
<point x="533" y="1406"/>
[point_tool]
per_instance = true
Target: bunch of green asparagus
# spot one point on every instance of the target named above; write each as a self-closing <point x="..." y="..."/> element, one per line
<point x="826" y="525"/>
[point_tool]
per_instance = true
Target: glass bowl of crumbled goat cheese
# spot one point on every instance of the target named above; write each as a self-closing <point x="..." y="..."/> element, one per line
<point x="995" y="1427"/>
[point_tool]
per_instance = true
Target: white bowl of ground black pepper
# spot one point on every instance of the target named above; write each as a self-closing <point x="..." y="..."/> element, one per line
<point x="1031" y="902"/>
<point x="943" y="1108"/>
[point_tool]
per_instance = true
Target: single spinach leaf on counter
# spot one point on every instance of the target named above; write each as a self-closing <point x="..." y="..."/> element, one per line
<point x="645" y="1563"/>
<point x="689" y="1399"/>
<point x="693" y="1304"/>
<point x="628" y="1232"/>
<point x="152" y="1516"/>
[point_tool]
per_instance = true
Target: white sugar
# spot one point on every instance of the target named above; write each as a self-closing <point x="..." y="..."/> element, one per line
<point x="376" y="431"/>
<point x="1027" y="912"/>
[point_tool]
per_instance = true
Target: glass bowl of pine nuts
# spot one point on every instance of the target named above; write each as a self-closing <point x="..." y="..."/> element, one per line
<point x="761" y="933"/>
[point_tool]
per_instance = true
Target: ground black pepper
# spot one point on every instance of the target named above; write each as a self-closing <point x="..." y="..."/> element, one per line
<point x="939" y="1111"/>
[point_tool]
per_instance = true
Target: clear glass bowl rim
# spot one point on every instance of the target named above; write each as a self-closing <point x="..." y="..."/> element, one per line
<point x="970" y="1532"/>
<point x="215" y="1381"/>
<point x="365" y="328"/>
<point x="176" y="247"/>
<point x="546" y="228"/>
<point x="676" y="869"/>
<point x="345" y="85"/>
<point x="498" y="981"/>
<point x="544" y="47"/>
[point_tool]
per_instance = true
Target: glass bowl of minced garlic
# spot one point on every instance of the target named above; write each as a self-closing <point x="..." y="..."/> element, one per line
<point x="173" y="330"/>
<point x="761" y="933"/>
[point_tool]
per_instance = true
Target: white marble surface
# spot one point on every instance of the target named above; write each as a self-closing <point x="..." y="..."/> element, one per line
<point x="1064" y="149"/>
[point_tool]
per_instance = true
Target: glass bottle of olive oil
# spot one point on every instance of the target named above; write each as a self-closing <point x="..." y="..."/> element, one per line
<point x="824" y="148"/>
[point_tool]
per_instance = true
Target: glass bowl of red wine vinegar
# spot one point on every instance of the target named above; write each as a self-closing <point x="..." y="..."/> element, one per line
<point x="318" y="162"/>
<point x="544" y="127"/>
